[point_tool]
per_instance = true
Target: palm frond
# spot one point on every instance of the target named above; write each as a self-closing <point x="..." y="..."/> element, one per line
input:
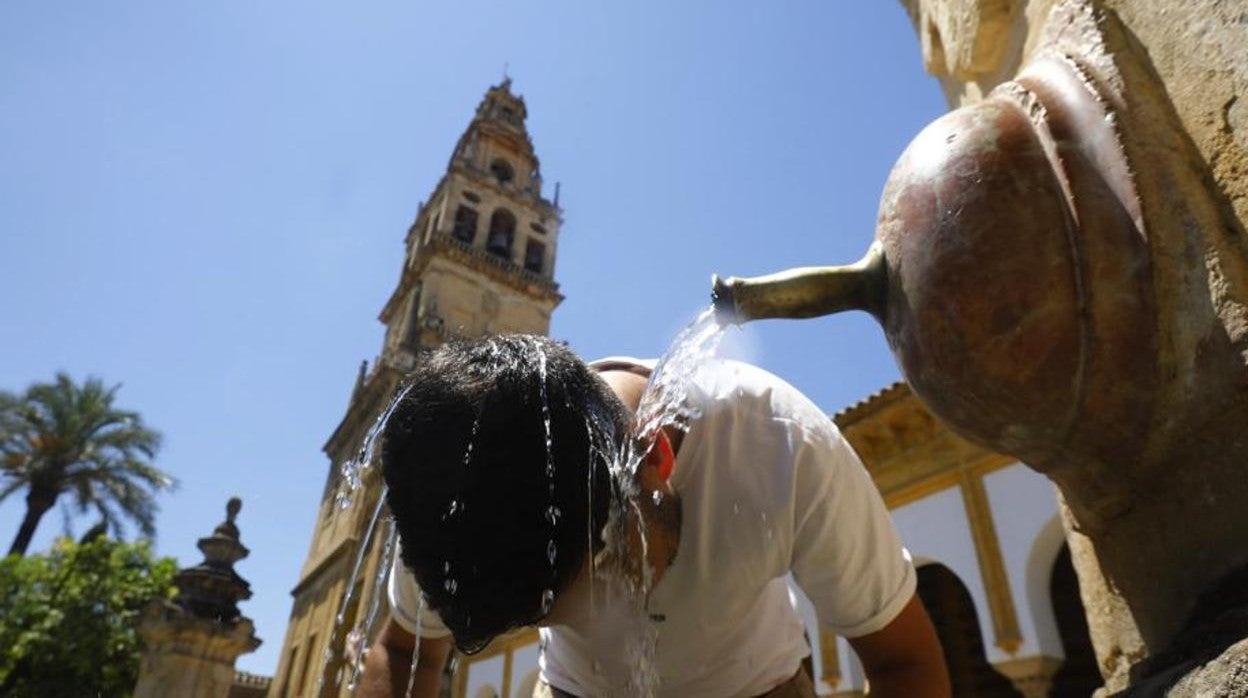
<point x="68" y="438"/>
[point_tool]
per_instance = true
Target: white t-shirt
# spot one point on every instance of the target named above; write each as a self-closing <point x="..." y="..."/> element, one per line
<point x="768" y="486"/>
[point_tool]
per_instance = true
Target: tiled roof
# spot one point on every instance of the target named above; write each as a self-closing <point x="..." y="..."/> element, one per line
<point x="872" y="403"/>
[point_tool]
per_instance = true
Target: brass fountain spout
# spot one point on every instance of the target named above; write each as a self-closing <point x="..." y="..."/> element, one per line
<point x="805" y="292"/>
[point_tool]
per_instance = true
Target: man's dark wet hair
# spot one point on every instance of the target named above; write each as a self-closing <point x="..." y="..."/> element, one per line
<point x="482" y="505"/>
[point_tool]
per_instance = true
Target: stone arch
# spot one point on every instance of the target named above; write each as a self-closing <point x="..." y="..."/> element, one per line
<point x="465" y="227"/>
<point x="1079" y="674"/>
<point x="502" y="171"/>
<point x="956" y="619"/>
<point x="524" y="689"/>
<point x="502" y="233"/>
<point x="1045" y="549"/>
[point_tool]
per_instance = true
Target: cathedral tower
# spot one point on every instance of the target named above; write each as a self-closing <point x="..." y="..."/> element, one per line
<point x="479" y="259"/>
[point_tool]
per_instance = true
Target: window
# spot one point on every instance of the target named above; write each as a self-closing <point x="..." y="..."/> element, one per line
<point x="534" y="256"/>
<point x="412" y="332"/>
<point x="538" y="228"/>
<point x="472" y="196"/>
<point x="502" y="171"/>
<point x="502" y="231"/>
<point x="465" y="224"/>
<point x="308" y="665"/>
<point x="290" y="668"/>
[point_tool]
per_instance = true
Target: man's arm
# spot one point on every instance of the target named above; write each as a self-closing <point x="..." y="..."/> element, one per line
<point x="389" y="661"/>
<point x="904" y="658"/>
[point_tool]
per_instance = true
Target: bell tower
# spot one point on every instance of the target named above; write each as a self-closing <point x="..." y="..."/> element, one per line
<point x="479" y="259"/>
<point x="481" y="253"/>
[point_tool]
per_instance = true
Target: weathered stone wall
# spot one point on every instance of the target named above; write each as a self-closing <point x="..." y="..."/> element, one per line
<point x="472" y="304"/>
<point x="1199" y="50"/>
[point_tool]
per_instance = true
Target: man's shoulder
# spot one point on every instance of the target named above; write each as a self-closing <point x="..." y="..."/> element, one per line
<point x="732" y="385"/>
<point x="748" y="385"/>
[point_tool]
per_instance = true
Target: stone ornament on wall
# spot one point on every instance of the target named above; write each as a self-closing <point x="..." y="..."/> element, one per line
<point x="962" y="38"/>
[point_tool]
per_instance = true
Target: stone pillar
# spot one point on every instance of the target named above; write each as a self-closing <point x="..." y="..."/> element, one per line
<point x="1032" y="676"/>
<point x="191" y="642"/>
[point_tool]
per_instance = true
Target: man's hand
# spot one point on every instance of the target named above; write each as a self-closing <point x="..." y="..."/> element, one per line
<point x="388" y="663"/>
<point x="904" y="657"/>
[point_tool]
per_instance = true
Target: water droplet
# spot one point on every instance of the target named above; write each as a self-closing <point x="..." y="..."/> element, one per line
<point x="472" y="439"/>
<point x="451" y="509"/>
<point x="736" y="508"/>
<point x="353" y="646"/>
<point x="551" y="551"/>
<point x="552" y="514"/>
<point x="550" y="454"/>
<point x="657" y="496"/>
<point x="446" y="567"/>
<point x="451" y="586"/>
<point x="548" y="600"/>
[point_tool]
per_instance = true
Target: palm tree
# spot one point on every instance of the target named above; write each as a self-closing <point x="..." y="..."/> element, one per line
<point x="64" y="438"/>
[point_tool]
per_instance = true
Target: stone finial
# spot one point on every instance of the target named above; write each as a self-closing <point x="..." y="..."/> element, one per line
<point x="212" y="589"/>
<point x="228" y="528"/>
<point x="191" y="642"/>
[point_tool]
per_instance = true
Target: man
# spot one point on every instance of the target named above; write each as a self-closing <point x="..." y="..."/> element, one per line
<point x="498" y="462"/>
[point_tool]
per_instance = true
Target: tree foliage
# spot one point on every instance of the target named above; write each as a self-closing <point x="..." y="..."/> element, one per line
<point x="68" y="618"/>
<point x="65" y="438"/>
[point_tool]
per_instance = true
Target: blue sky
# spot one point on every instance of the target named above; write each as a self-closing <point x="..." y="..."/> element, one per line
<point x="206" y="203"/>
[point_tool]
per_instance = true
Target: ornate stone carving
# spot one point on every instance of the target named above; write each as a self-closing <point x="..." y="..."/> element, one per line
<point x="962" y="38"/>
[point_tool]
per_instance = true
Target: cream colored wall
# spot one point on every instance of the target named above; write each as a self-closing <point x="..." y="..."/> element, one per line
<point x="488" y="673"/>
<point x="524" y="664"/>
<point x="460" y="293"/>
<point x="333" y="525"/>
<point x="1027" y="505"/>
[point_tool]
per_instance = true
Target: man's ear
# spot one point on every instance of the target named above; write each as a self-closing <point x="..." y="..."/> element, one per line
<point x="661" y="456"/>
